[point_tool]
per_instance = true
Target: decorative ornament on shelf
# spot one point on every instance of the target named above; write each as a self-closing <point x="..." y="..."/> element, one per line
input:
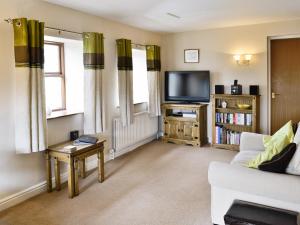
<point x="243" y="106"/>
<point x="236" y="89"/>
<point x="243" y="59"/>
<point x="224" y="104"/>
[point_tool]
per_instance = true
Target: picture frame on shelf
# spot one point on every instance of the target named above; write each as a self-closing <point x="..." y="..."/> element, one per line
<point x="191" y="55"/>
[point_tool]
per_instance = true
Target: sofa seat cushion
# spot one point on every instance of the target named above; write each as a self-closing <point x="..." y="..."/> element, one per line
<point x="243" y="157"/>
<point x="282" y="187"/>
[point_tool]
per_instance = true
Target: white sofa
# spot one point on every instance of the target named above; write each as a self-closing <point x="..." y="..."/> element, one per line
<point x="235" y="181"/>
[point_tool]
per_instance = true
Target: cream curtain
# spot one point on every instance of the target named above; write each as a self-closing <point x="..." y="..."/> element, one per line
<point x="93" y="66"/>
<point x="125" y="81"/>
<point x="153" y="74"/>
<point x="30" y="115"/>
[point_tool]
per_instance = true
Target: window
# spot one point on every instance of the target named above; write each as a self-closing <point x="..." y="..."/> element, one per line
<point x="64" y="79"/>
<point x="140" y="82"/>
<point x="54" y="76"/>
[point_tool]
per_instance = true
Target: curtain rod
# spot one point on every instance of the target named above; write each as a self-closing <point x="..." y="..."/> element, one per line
<point x="139" y="44"/>
<point x="64" y="30"/>
<point x="51" y="28"/>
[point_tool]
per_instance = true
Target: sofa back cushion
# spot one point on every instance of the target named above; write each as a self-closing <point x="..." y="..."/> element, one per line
<point x="297" y="135"/>
<point x="294" y="165"/>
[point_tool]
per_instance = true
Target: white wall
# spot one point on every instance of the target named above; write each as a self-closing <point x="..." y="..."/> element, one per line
<point x="217" y="47"/>
<point x="18" y="172"/>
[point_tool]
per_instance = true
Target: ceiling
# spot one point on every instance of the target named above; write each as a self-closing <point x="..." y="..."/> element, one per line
<point x="193" y="14"/>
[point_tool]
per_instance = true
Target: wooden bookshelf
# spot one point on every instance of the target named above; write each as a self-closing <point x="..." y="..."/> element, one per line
<point x="241" y="120"/>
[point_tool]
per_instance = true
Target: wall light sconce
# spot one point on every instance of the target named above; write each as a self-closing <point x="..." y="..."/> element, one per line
<point x="243" y="59"/>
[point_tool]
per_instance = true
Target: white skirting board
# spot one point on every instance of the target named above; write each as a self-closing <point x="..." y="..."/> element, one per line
<point x="37" y="189"/>
<point x="28" y="193"/>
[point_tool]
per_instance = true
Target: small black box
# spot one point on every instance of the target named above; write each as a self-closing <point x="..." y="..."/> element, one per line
<point x="219" y="89"/>
<point x="254" y="90"/>
<point x="74" y="135"/>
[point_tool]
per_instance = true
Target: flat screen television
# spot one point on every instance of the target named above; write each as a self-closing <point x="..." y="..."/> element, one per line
<point x="187" y="86"/>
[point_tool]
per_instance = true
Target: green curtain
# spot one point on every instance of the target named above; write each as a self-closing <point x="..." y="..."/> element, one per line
<point x="153" y="74"/>
<point x="29" y="43"/>
<point x="153" y="58"/>
<point x="93" y="50"/>
<point x="30" y="116"/>
<point x="93" y="56"/>
<point x="124" y="54"/>
<point x="125" y="82"/>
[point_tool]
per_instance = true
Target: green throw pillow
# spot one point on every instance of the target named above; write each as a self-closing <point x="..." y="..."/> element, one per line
<point x="287" y="130"/>
<point x="274" y="145"/>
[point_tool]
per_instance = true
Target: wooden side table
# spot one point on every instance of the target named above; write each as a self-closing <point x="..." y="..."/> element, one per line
<point x="59" y="154"/>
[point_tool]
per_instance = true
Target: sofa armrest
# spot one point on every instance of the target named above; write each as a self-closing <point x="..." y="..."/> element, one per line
<point x="282" y="187"/>
<point x="251" y="142"/>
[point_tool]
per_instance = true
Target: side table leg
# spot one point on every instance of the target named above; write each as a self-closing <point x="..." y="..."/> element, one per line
<point x="48" y="171"/>
<point x="76" y="187"/>
<point x="71" y="177"/>
<point x="57" y="174"/>
<point x="82" y="168"/>
<point x="100" y="165"/>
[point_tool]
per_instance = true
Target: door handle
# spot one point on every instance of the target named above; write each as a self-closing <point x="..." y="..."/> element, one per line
<point x="274" y="95"/>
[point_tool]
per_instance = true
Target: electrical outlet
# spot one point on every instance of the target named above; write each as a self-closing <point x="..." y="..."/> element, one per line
<point x="112" y="154"/>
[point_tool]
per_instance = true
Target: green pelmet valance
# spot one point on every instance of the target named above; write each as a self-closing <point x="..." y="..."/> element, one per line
<point x="93" y="50"/>
<point x="124" y="54"/>
<point x="28" y="43"/>
<point x="153" y="58"/>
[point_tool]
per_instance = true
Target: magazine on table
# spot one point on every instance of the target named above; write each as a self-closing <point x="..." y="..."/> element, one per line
<point x="85" y="140"/>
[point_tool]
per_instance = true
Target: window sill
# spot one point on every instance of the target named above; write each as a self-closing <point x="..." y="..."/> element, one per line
<point x="62" y="113"/>
<point x="135" y="104"/>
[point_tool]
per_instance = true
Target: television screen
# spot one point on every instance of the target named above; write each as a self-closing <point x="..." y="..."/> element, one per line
<point x="188" y="86"/>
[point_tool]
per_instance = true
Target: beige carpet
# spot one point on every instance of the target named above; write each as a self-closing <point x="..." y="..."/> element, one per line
<point x="157" y="184"/>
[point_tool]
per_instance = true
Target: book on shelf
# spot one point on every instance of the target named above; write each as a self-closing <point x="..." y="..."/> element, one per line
<point x="227" y="136"/>
<point x="248" y="119"/>
<point x="244" y="119"/>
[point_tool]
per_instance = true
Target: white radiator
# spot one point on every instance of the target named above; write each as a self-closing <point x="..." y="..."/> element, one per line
<point x="143" y="130"/>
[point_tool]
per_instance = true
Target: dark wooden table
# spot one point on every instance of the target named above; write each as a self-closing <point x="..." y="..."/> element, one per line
<point x="73" y="158"/>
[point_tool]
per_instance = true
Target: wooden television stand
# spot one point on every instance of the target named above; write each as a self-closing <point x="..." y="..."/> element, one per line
<point x="185" y="123"/>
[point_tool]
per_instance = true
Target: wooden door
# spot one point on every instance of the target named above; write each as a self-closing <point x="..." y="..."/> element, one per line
<point x="166" y="128"/>
<point x="285" y="82"/>
<point x="172" y="129"/>
<point x="186" y="128"/>
<point x="195" y="131"/>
